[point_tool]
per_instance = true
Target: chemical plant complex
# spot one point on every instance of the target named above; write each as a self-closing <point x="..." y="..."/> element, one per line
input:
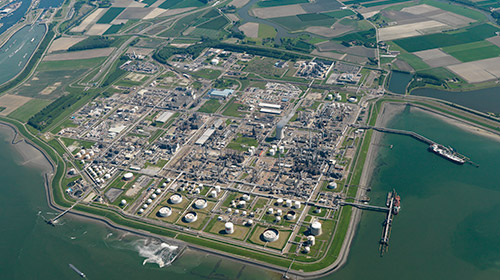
<point x="261" y="166"/>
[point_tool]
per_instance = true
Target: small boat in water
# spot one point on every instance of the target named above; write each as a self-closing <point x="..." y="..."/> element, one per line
<point x="77" y="271"/>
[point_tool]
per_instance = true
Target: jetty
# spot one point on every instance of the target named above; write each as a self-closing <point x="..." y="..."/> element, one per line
<point x="414" y="135"/>
<point x="53" y="220"/>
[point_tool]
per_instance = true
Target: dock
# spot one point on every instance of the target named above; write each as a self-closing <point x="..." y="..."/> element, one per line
<point x="414" y="135"/>
<point x="384" y="241"/>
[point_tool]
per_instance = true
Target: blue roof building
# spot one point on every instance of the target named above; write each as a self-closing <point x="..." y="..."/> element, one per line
<point x="215" y="93"/>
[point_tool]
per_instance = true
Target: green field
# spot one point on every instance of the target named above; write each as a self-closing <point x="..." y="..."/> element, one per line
<point x="70" y="64"/>
<point x="31" y="107"/>
<point x="242" y="143"/>
<point x="149" y="2"/>
<point x="177" y="4"/>
<point x="266" y="31"/>
<point x="215" y="24"/>
<point x="206" y="73"/>
<point x="274" y="3"/>
<point x="113" y="29"/>
<point x="441" y="40"/>
<point x="110" y="15"/>
<point x="461" y="10"/>
<point x="340" y="14"/>
<point x="473" y="51"/>
<point x="232" y="109"/>
<point x="211" y="106"/>
<point x="386" y="2"/>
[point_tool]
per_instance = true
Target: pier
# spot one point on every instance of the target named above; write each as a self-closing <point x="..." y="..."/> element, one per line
<point x="54" y="220"/>
<point x="384" y="241"/>
<point x="415" y="136"/>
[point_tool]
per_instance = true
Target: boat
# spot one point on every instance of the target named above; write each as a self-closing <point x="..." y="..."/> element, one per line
<point x="32" y="39"/>
<point x="446" y="153"/>
<point x="77" y="271"/>
<point x="397" y="203"/>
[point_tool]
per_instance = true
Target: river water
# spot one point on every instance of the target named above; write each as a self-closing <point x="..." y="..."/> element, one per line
<point x="485" y="100"/>
<point x="7" y="22"/>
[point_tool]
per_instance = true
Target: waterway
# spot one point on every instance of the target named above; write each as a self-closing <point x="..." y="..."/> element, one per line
<point x="31" y="249"/>
<point x="46" y="4"/>
<point x="399" y="81"/>
<point x="485" y="100"/>
<point x="7" y="22"/>
<point x="448" y="225"/>
<point x="16" y="52"/>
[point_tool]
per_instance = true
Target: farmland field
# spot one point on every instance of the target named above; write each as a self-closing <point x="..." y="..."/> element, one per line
<point x="110" y="15"/>
<point x="440" y="40"/>
<point x="30" y="108"/>
<point x="177" y="4"/>
<point x="487" y="50"/>
<point x="215" y="24"/>
<point x="456" y="9"/>
<point x="113" y="29"/>
<point x="266" y="31"/>
<point x="211" y="106"/>
<point x="303" y="21"/>
<point x="274" y="3"/>
<point x="386" y="2"/>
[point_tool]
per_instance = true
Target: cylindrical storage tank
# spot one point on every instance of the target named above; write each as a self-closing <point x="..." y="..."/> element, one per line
<point x="229" y="228"/>
<point x="244" y="213"/>
<point x="279" y="202"/>
<point x="270" y="211"/>
<point x="279" y="212"/>
<point x="274" y="147"/>
<point x="149" y="201"/>
<point x="78" y="155"/>
<point x="217" y="188"/>
<point x="317" y="210"/>
<point x="158" y="191"/>
<point x="164" y="212"/>
<point x="296" y="204"/>
<point x="128" y="176"/>
<point x="236" y="211"/>
<point x="242" y="204"/>
<point x="270" y="235"/>
<point x="272" y="152"/>
<point x="123" y="202"/>
<point x="291" y="215"/>
<point x="107" y="176"/>
<point x="154" y="196"/>
<point x="163" y="185"/>
<point x="282" y="150"/>
<point x="332" y="185"/>
<point x="311" y="240"/>
<point x="219" y="218"/>
<point x="197" y="191"/>
<point x="213" y="193"/>
<point x="144" y="206"/>
<point x="316" y="228"/>
<point x="229" y="210"/>
<point x="245" y="197"/>
<point x="175" y="199"/>
<point x="141" y="211"/>
<point x="200" y="203"/>
<point x="249" y="223"/>
<point x="252" y="214"/>
<point x="277" y="219"/>
<point x="288" y="203"/>
<point x="233" y="203"/>
<point x="190" y="217"/>
<point x="307" y="250"/>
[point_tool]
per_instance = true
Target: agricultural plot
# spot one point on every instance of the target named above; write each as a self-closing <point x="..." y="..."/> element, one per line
<point x="76" y="55"/>
<point x="410" y="30"/>
<point x="98" y="29"/>
<point x="250" y="29"/>
<point x="89" y="20"/>
<point x="274" y="3"/>
<point x="176" y="4"/>
<point x="300" y="22"/>
<point x="10" y="103"/>
<point x="434" y="41"/>
<point x="478" y="71"/>
<point x="436" y="58"/>
<point x="266" y="31"/>
<point x="115" y="28"/>
<point x="110" y="15"/>
<point x="30" y="108"/>
<point x="49" y="84"/>
<point x="281" y="11"/>
<point x="264" y="67"/>
<point x="62" y="44"/>
<point x="215" y="24"/>
<point x="473" y="51"/>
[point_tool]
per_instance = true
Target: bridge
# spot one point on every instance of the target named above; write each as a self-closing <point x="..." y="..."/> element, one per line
<point x="398" y="131"/>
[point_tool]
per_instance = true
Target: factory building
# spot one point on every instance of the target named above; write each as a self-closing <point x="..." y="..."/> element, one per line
<point x="220" y="94"/>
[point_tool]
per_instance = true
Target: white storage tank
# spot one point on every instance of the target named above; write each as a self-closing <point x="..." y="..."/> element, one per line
<point x="213" y="193"/>
<point x="270" y="211"/>
<point x="277" y="219"/>
<point x="332" y="185"/>
<point x="279" y="201"/>
<point x="249" y="223"/>
<point x="190" y="217"/>
<point x="217" y="188"/>
<point x="296" y="204"/>
<point x="154" y="196"/>
<point x="279" y="212"/>
<point x="128" y="176"/>
<point x="175" y="199"/>
<point x="311" y="240"/>
<point x="288" y="203"/>
<point x="149" y="201"/>
<point x="282" y="150"/>
<point x="242" y="204"/>
<point x="272" y="152"/>
<point x="307" y="250"/>
<point x="270" y="235"/>
<point x="229" y="228"/>
<point x="123" y="202"/>
<point x="245" y="197"/>
<point x="158" y="191"/>
<point x="291" y="215"/>
<point x="165" y="212"/>
<point x="200" y="203"/>
<point x="315" y="228"/>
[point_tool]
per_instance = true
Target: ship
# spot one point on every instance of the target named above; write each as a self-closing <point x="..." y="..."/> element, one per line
<point x="77" y="271"/>
<point x="8" y="9"/>
<point x="397" y="203"/>
<point x="447" y="153"/>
